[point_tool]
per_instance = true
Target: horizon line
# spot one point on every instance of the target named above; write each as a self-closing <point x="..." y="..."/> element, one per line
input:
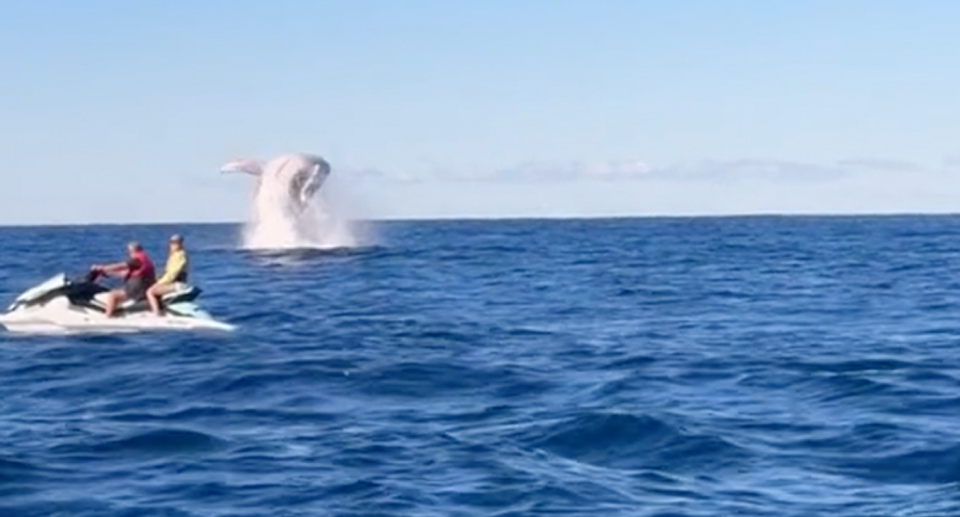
<point x="474" y="218"/>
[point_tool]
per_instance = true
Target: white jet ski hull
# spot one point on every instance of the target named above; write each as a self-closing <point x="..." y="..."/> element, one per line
<point x="57" y="315"/>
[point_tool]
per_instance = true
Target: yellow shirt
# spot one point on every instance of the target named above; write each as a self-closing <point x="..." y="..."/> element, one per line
<point x="176" y="265"/>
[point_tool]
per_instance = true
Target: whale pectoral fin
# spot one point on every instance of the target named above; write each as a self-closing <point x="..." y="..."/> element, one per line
<point x="251" y="167"/>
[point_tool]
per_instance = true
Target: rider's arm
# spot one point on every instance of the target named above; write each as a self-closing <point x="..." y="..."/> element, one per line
<point x="118" y="267"/>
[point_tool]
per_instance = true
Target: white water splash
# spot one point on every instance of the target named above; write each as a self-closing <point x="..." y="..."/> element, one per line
<point x="288" y="213"/>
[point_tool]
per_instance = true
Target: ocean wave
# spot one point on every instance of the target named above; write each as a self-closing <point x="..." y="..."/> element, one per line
<point x="609" y="367"/>
<point x="154" y="442"/>
<point x="622" y="441"/>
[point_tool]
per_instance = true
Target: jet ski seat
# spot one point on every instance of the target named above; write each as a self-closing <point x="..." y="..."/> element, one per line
<point x="183" y="292"/>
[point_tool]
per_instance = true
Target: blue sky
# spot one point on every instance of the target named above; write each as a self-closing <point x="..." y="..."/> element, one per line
<point x="123" y="111"/>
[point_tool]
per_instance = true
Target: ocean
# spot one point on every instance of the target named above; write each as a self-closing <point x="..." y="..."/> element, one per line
<point x="759" y="366"/>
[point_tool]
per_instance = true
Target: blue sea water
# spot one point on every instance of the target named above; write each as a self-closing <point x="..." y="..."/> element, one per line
<point x="634" y="367"/>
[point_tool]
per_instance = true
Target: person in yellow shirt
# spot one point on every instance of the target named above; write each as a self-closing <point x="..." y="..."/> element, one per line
<point x="174" y="274"/>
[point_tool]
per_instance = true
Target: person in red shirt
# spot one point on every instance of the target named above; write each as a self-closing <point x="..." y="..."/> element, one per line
<point x="138" y="275"/>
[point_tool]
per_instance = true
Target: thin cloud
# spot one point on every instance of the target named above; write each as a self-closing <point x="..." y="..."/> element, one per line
<point x="881" y="164"/>
<point x="753" y="169"/>
<point x="608" y="170"/>
<point x="639" y="170"/>
<point x="366" y="173"/>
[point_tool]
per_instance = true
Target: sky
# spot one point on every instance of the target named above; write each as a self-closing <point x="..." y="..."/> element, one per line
<point x="114" y="111"/>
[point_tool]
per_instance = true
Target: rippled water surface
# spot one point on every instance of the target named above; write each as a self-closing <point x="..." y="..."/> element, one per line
<point x="688" y="367"/>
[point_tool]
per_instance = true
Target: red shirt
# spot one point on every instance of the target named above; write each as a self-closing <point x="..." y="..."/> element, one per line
<point x="140" y="266"/>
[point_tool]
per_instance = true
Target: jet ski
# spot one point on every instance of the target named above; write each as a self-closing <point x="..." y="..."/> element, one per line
<point x="63" y="305"/>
